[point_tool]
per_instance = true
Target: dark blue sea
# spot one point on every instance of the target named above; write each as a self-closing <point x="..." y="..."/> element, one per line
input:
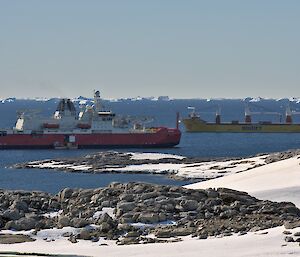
<point x="192" y="144"/>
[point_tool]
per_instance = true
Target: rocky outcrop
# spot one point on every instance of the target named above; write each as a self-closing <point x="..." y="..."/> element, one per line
<point x="14" y="239"/>
<point x="117" y="162"/>
<point x="140" y="209"/>
<point x="275" y="157"/>
<point x="107" y="162"/>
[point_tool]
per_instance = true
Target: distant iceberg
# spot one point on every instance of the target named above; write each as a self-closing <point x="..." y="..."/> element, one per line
<point x="9" y="100"/>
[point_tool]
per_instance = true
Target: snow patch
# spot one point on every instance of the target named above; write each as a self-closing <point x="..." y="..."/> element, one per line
<point x="201" y="170"/>
<point x="154" y="156"/>
<point x="269" y="242"/>
<point x="108" y="210"/>
<point x="53" y="214"/>
<point x="146" y="225"/>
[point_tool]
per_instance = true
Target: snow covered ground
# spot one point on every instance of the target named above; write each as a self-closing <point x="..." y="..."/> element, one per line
<point x="264" y="243"/>
<point x="153" y="156"/>
<point x="278" y="181"/>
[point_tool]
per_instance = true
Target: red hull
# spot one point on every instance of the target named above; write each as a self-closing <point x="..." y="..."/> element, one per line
<point x="163" y="137"/>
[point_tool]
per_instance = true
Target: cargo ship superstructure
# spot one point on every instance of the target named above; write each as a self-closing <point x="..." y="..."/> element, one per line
<point x="93" y="127"/>
<point x="194" y="123"/>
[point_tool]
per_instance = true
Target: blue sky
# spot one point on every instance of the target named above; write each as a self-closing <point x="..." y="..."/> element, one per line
<point x="126" y="48"/>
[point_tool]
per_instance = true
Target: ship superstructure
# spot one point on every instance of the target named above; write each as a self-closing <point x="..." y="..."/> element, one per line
<point x="93" y="127"/>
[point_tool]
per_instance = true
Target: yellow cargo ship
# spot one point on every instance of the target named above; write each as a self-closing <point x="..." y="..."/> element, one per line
<point x="194" y="123"/>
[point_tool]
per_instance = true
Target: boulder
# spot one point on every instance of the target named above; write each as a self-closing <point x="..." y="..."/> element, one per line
<point x="211" y="193"/>
<point x="148" y="218"/>
<point x="126" y="206"/>
<point x="289" y="239"/>
<point x="72" y="239"/>
<point x="12" y="214"/>
<point x="54" y="204"/>
<point x="105" y="218"/>
<point x="133" y="233"/>
<point x="208" y="215"/>
<point x="189" y="205"/>
<point x="21" y="224"/>
<point x="292" y="210"/>
<point x="19" y="205"/>
<point x="63" y="221"/>
<point x="105" y="227"/>
<point x="150" y="195"/>
<point x="162" y="216"/>
<point x="84" y="234"/>
<point x="163" y="233"/>
<point x="139" y="188"/>
<point x="14" y="239"/>
<point x="169" y="207"/>
<point x="292" y="224"/>
<point x="96" y="198"/>
<point x="228" y="214"/>
<point x="128" y="218"/>
<point x="286" y="232"/>
<point x="107" y="204"/>
<point x="128" y="241"/>
<point x="65" y="194"/>
<point x="183" y="231"/>
<point x="2" y="223"/>
<point x="127" y="197"/>
<point x="79" y="222"/>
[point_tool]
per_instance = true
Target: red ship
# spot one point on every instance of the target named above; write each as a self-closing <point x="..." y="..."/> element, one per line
<point x="94" y="127"/>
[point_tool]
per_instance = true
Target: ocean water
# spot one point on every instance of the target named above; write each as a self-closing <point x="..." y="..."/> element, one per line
<point x="192" y="144"/>
<point x="53" y="181"/>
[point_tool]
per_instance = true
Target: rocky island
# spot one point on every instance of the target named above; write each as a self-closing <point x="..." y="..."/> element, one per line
<point x="174" y="166"/>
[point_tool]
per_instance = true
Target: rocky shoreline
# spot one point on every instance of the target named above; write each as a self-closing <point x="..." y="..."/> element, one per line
<point x="106" y="162"/>
<point x="175" y="167"/>
<point x="139" y="213"/>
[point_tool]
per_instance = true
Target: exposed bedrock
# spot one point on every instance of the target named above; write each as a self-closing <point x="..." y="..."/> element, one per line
<point x="129" y="212"/>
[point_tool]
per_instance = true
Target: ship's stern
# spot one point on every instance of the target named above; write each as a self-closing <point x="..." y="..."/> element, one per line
<point x="172" y="137"/>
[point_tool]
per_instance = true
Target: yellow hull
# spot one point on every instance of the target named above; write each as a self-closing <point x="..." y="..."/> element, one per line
<point x="197" y="125"/>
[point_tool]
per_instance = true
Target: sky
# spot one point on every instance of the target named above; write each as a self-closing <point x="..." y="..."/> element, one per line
<point x="129" y="48"/>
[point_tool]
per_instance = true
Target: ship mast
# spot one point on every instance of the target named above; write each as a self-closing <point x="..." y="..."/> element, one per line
<point x="97" y="101"/>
